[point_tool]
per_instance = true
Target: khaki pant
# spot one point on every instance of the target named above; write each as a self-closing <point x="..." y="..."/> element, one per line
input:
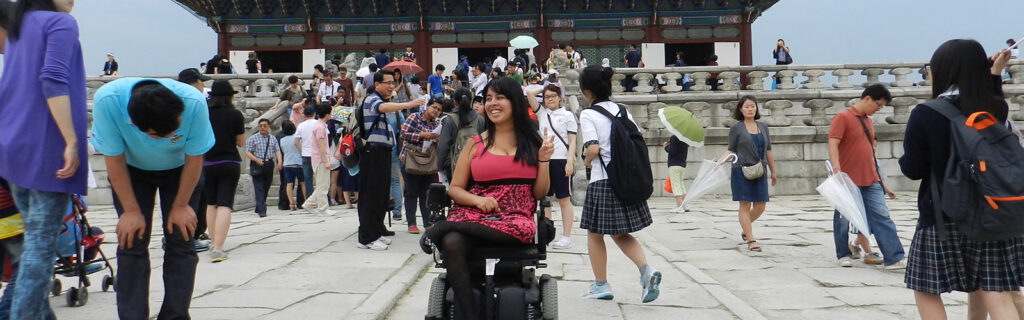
<point x="321" y="182"/>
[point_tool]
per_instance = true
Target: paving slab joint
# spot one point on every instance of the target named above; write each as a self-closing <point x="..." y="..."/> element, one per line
<point x="384" y="298"/>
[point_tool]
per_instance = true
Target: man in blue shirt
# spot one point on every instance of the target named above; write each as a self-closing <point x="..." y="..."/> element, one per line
<point x="434" y="82"/>
<point x="382" y="58"/>
<point x="153" y="134"/>
<point x="375" y="161"/>
<point x="632" y="60"/>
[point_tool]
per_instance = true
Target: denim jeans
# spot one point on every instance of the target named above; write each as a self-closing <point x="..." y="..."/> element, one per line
<point x="260" y="186"/>
<point x="13" y="247"/>
<point x="307" y="173"/>
<point x="878" y="220"/>
<point x="42" y="213"/>
<point x="133" y="265"/>
<point x="396" y="188"/>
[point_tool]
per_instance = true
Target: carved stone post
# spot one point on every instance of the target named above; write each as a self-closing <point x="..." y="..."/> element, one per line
<point x="872" y="74"/>
<point x="844" y="79"/>
<point x="729" y="81"/>
<point x="1019" y="115"/>
<point x="240" y="85"/>
<point x="700" y="81"/>
<point x="787" y="79"/>
<point x="756" y="80"/>
<point x="901" y="109"/>
<point x="617" y="83"/>
<point x="901" y="77"/>
<point x="643" y="82"/>
<point x="671" y="80"/>
<point x="264" y="88"/>
<point x="814" y="79"/>
<point x="1017" y="72"/>
<point x="697" y="109"/>
<point x="778" y="117"/>
<point x="818" y="117"/>
<point x="728" y="106"/>
<point x="924" y="75"/>
<point x="653" y="121"/>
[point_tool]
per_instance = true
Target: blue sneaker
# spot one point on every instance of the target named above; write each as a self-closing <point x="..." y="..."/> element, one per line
<point x="650" y="284"/>
<point x="602" y="292"/>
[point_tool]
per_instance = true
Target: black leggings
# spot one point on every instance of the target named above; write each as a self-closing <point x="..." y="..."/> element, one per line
<point x="455" y="240"/>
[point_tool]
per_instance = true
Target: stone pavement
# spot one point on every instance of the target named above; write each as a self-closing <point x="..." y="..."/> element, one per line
<point x="293" y="265"/>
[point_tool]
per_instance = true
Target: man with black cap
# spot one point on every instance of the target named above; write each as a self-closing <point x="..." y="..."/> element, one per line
<point x="194" y="78"/>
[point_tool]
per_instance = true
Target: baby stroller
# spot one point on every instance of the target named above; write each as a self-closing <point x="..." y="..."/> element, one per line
<point x="77" y="249"/>
<point x="504" y="277"/>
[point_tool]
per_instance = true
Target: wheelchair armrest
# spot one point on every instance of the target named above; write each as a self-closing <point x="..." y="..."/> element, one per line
<point x="437" y="198"/>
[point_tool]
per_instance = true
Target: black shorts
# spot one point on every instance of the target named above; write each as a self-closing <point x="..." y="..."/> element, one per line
<point x="559" y="182"/>
<point x="221" y="181"/>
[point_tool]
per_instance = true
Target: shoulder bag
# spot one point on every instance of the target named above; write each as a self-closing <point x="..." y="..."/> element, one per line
<point x="755" y="171"/>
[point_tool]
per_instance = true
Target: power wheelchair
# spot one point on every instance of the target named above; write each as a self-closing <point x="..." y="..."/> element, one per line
<point x="505" y="285"/>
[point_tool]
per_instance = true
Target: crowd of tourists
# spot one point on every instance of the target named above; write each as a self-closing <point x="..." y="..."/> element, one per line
<point x="500" y="137"/>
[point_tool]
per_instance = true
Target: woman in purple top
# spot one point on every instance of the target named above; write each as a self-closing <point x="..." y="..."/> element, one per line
<point x="42" y="98"/>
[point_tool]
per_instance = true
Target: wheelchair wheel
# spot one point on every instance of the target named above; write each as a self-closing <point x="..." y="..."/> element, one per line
<point x="435" y="302"/>
<point x="549" y="297"/>
<point x="55" y="287"/>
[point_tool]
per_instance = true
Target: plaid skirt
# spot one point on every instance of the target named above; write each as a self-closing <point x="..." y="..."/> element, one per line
<point x="961" y="264"/>
<point x="604" y="213"/>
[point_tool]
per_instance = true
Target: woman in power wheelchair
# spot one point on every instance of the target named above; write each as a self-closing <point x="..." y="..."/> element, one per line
<point x="498" y="178"/>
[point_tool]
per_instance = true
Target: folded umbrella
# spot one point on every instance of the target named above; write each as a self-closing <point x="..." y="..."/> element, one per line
<point x="710" y="176"/>
<point x="523" y="42"/>
<point x="845" y="196"/>
<point x="683" y="124"/>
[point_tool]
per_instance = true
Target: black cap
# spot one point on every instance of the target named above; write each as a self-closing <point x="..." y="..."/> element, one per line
<point x="222" y="88"/>
<point x="190" y="75"/>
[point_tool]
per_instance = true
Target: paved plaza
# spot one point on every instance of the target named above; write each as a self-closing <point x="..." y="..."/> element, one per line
<point x="300" y="266"/>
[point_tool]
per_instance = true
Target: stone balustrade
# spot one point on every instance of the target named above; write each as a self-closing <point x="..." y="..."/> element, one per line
<point x="798" y="112"/>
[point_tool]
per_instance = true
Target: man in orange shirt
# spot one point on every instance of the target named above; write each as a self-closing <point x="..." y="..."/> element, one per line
<point x="851" y="149"/>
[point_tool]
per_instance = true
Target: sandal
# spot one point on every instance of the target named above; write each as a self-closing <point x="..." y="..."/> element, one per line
<point x="754" y="247"/>
<point x="293" y="207"/>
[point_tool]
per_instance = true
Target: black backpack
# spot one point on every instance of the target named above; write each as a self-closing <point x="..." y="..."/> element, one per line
<point x="629" y="170"/>
<point x="983" y="186"/>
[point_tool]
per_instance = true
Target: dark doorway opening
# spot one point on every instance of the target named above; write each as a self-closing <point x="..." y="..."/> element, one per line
<point x="478" y="55"/>
<point x="694" y="54"/>
<point x="281" y="61"/>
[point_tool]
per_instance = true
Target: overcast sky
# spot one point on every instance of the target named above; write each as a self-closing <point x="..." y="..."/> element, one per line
<point x="158" y="37"/>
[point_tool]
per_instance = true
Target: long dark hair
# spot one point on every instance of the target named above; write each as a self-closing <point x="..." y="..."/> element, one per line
<point x="18" y="14"/>
<point x="527" y="139"/>
<point x="219" y="101"/>
<point x="963" y="64"/>
<point x="464" y="97"/>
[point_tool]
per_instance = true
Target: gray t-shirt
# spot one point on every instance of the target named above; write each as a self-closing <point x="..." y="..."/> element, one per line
<point x="291" y="154"/>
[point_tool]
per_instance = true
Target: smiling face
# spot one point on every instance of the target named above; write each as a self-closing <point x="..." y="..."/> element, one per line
<point x="749" y="109"/>
<point x="498" y="107"/>
<point x="552" y="100"/>
<point x="432" y="111"/>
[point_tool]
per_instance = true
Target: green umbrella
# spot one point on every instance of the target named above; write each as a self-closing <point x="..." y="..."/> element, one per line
<point x="683" y="124"/>
<point x="523" y="42"/>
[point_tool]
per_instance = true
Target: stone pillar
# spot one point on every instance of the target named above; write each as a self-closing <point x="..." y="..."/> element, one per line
<point x="1017" y="72"/>
<point x="697" y="109"/>
<point x="700" y="81"/>
<point x="872" y="74"/>
<point x="818" y="116"/>
<point x="844" y="79"/>
<point x="814" y="79"/>
<point x="670" y="82"/>
<point x="901" y="77"/>
<point x="728" y="106"/>
<point x="729" y="81"/>
<point x="1019" y="115"/>
<point x="756" y="80"/>
<point x="617" y="79"/>
<point x="240" y="85"/>
<point x="264" y="88"/>
<point x="778" y="117"/>
<point x="901" y="109"/>
<point x="924" y="75"/>
<point x="787" y="80"/>
<point x="643" y="80"/>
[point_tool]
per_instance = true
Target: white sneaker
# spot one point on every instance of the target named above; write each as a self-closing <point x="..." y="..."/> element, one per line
<point x="562" y="243"/>
<point x="328" y="213"/>
<point x="385" y="240"/>
<point x="899" y="265"/>
<point x="845" y="262"/>
<point x="377" y="245"/>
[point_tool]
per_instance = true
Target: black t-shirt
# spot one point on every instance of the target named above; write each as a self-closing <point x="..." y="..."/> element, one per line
<point x="227" y="123"/>
<point x="109" y="68"/>
<point x="252" y="65"/>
